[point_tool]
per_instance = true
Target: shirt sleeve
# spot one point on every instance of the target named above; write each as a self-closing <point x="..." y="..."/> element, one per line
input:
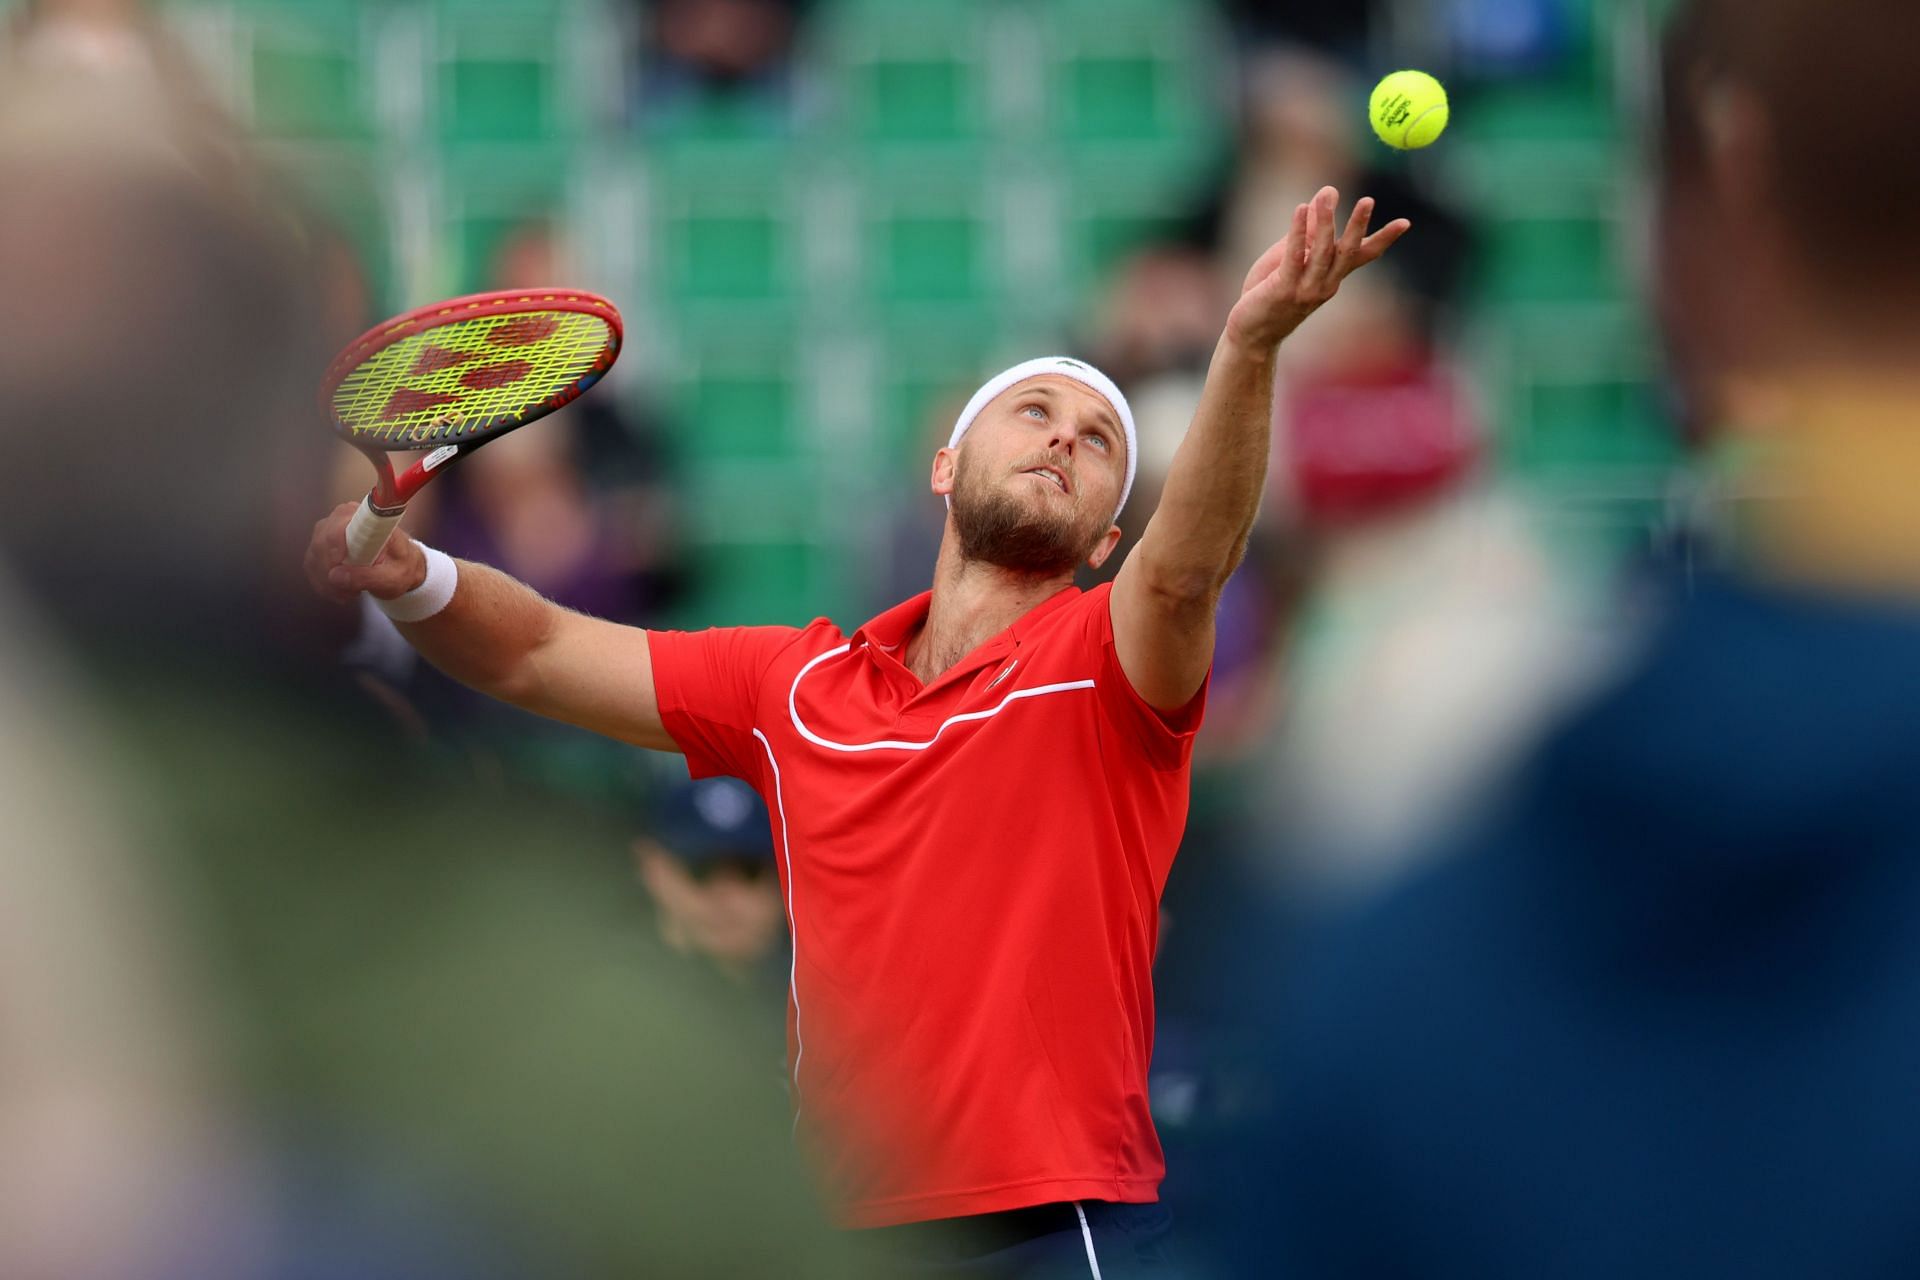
<point x="1166" y="736"/>
<point x="708" y="687"/>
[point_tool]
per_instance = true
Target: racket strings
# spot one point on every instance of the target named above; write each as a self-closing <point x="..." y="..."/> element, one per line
<point x="462" y="379"/>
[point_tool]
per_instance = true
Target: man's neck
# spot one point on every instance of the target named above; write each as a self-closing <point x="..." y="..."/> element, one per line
<point x="972" y="603"/>
<point x="1842" y="478"/>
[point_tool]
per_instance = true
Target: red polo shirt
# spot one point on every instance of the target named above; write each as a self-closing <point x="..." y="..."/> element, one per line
<point x="972" y="871"/>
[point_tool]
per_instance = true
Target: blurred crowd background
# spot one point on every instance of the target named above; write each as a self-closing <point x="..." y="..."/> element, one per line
<point x="437" y="988"/>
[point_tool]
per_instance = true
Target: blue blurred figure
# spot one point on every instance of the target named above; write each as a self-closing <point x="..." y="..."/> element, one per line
<point x="1660" y="1013"/>
<point x="709" y="868"/>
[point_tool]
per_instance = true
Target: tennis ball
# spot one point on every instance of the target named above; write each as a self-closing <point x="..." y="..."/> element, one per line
<point x="1409" y="109"/>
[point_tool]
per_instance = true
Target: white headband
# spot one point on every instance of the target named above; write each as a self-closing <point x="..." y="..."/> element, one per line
<point x="1084" y="374"/>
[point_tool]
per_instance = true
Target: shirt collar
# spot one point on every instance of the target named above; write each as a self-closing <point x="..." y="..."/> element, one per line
<point x="888" y="631"/>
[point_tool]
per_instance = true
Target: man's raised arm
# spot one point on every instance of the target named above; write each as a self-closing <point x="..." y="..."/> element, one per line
<point x="1165" y="594"/>
<point x="504" y="639"/>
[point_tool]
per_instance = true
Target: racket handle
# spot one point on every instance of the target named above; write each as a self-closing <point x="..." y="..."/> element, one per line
<point x="368" y="531"/>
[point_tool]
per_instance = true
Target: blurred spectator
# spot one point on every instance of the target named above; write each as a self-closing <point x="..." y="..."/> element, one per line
<point x="1436" y="635"/>
<point x="113" y="43"/>
<point x="702" y="58"/>
<point x="578" y="507"/>
<point x="422" y="992"/>
<point x="708" y="865"/>
<point x="117" y="1160"/>
<point x="1161" y="314"/>
<point x="1298" y="132"/>
<point x="1436" y="640"/>
<point x="1497" y="39"/>
<point x="1660" y="1014"/>
<point x="1338" y="29"/>
<point x="1379" y="424"/>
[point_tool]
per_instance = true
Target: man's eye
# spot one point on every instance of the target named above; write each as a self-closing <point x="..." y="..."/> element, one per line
<point x="1036" y="411"/>
<point x="1094" y="437"/>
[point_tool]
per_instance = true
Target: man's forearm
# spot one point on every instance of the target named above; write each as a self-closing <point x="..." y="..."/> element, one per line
<point x="489" y="634"/>
<point x="1199" y="531"/>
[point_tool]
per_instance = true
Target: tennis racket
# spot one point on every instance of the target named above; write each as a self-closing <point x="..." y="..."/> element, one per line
<point x="445" y="379"/>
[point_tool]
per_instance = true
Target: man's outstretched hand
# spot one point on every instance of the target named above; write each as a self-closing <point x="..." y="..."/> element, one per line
<point x="1296" y="276"/>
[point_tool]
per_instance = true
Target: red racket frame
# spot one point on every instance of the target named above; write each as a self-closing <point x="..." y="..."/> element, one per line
<point x="391" y="493"/>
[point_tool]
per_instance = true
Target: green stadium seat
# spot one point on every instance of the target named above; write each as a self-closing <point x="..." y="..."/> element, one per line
<point x="717" y="118"/>
<point x="761" y="584"/>
<point x="1596" y="338"/>
<point x="733" y="408"/>
<point x="1549" y="259"/>
<point x="1108" y="216"/>
<point x="906" y="72"/>
<point x="1132" y="70"/>
<point x="921" y="253"/>
<point x="498" y="99"/>
<point x="932" y="256"/>
<point x="305" y="70"/>
<point x="722" y="225"/>
<point x="503" y="73"/>
<point x="761" y="550"/>
<point x="1587" y="428"/>
<point x="486" y="194"/>
<point x="1554" y="113"/>
<point x="929" y="233"/>
<point x="923" y="378"/>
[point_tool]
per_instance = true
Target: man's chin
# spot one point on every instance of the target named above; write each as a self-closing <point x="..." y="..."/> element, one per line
<point x="1019" y="532"/>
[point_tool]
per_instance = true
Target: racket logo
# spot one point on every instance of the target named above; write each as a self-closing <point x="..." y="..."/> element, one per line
<point x="446" y="384"/>
<point x="464" y="363"/>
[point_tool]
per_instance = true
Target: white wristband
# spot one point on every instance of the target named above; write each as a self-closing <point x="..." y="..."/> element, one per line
<point x="431" y="596"/>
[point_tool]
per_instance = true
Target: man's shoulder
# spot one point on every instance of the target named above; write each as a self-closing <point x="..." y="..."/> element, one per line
<point x="735" y="658"/>
<point x="770" y="639"/>
<point x="1069" y="618"/>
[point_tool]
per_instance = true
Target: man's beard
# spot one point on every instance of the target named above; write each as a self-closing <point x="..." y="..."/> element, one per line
<point x="997" y="528"/>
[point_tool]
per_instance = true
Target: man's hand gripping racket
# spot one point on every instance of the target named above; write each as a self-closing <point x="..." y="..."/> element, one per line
<point x="445" y="379"/>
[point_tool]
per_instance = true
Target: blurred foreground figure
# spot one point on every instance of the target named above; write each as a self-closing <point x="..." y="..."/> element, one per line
<point x="276" y="999"/>
<point x="709" y="868"/>
<point x="113" y="1163"/>
<point x="1661" y="1014"/>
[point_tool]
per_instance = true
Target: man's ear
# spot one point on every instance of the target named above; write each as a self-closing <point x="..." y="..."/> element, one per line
<point x="946" y="465"/>
<point x="1104" y="548"/>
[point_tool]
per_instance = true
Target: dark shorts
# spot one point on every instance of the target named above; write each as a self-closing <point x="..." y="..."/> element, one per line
<point x="1044" y="1242"/>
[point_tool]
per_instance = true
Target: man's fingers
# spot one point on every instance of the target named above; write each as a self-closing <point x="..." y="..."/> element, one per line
<point x="1320" y="253"/>
<point x="1356" y="232"/>
<point x="1293" y="278"/>
<point x="1284" y="270"/>
<point x="1296" y="242"/>
<point x="1382" y="240"/>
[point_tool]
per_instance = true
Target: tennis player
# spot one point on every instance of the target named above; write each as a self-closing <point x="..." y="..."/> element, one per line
<point x="975" y="797"/>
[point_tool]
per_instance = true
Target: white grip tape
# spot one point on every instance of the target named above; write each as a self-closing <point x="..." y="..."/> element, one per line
<point x="433" y="593"/>
<point x="367" y="532"/>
